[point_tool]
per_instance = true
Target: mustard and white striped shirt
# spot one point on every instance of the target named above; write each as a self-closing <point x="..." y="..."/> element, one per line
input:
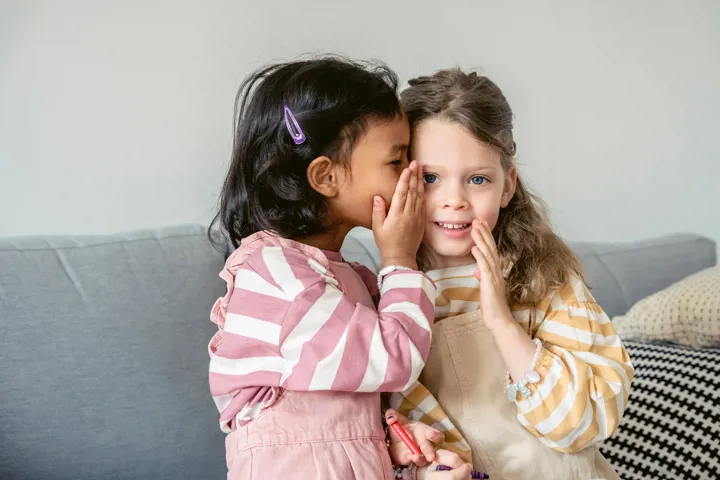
<point x="585" y="370"/>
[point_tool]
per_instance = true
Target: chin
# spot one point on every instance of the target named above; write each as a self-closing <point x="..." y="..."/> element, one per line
<point x="448" y="249"/>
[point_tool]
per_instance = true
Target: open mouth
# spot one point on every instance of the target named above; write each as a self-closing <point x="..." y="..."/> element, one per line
<point x="453" y="226"/>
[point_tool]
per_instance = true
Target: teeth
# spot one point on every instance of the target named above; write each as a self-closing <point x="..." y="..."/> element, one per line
<point x="454" y="226"/>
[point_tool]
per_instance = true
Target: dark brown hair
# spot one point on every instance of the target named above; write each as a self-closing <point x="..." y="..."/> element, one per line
<point x="333" y="99"/>
<point x="542" y="261"/>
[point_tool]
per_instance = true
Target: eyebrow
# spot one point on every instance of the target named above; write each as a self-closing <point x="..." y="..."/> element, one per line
<point x="440" y="167"/>
<point x="399" y="147"/>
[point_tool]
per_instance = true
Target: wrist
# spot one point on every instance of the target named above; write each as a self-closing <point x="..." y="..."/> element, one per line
<point x="400" y="261"/>
<point x="387" y="271"/>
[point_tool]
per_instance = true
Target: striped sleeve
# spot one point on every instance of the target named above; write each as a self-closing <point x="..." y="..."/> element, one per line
<point x="369" y="279"/>
<point x="585" y="374"/>
<point x="289" y="325"/>
<point x="335" y="344"/>
<point x="418" y="403"/>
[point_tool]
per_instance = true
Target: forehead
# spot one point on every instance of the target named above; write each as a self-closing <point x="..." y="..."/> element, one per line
<point x="384" y="136"/>
<point x="445" y="143"/>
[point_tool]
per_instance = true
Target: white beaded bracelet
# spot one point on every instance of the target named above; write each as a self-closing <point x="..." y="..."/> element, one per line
<point x="388" y="270"/>
<point x="531" y="376"/>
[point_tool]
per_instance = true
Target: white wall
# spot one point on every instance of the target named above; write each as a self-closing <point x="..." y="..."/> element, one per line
<point x="116" y="115"/>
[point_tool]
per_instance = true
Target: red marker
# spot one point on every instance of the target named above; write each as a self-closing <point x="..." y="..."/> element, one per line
<point x="404" y="437"/>
<point x="414" y="448"/>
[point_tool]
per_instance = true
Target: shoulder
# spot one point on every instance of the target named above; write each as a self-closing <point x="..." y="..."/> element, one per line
<point x="284" y="259"/>
<point x="282" y="272"/>
<point x="573" y="294"/>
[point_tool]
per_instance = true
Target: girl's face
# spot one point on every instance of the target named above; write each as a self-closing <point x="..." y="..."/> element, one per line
<point x="464" y="180"/>
<point x="377" y="161"/>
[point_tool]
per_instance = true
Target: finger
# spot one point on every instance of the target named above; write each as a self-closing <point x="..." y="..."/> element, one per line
<point x="419" y="460"/>
<point x="398" y="450"/>
<point x="426" y="438"/>
<point x="489" y="240"/>
<point x="401" y="191"/>
<point x="428" y="450"/>
<point x="378" y="215"/>
<point x="412" y="189"/>
<point x="421" y="190"/>
<point x="483" y="266"/>
<point x="484" y="229"/>
<point x="434" y="435"/>
<point x="392" y="416"/>
<point x="481" y="243"/>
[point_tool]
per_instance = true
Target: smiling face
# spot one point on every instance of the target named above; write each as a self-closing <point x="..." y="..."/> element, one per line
<point x="464" y="181"/>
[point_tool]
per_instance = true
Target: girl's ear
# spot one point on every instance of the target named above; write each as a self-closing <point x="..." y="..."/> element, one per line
<point x="509" y="189"/>
<point x="324" y="177"/>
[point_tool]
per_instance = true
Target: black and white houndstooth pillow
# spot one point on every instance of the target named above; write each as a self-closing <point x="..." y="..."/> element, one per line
<point x="671" y="428"/>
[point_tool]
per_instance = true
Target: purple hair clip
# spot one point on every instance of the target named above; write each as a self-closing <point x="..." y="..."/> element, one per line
<point x="295" y="131"/>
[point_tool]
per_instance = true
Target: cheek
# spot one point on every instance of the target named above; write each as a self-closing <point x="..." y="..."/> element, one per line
<point x="385" y="185"/>
<point x="429" y="199"/>
<point x="487" y="208"/>
<point x="428" y="215"/>
<point x="491" y="219"/>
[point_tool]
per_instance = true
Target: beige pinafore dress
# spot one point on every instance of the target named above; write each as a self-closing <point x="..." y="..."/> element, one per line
<point x="466" y="374"/>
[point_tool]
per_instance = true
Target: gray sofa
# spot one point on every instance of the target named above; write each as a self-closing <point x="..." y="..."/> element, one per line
<point x="103" y="350"/>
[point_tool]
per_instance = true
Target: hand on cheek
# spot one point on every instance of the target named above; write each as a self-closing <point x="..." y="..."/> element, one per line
<point x="399" y="230"/>
<point x="493" y="300"/>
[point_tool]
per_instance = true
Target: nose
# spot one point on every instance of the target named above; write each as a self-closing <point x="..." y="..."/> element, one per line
<point x="455" y="199"/>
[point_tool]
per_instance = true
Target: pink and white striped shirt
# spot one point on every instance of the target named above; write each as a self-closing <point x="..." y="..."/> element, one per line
<point x="299" y="318"/>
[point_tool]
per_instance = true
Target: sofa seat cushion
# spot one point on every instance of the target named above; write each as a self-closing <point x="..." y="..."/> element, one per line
<point x="103" y="357"/>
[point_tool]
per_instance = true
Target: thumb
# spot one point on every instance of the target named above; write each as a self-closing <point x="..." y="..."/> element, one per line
<point x="378" y="214"/>
<point x="434" y="435"/>
<point x="392" y="416"/>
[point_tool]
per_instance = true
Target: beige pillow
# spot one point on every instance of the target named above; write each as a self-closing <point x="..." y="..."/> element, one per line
<point x="687" y="312"/>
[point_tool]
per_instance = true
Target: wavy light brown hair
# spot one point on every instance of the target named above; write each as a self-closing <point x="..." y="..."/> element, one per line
<point x="542" y="260"/>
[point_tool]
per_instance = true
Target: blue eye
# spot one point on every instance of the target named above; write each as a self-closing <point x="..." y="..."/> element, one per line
<point x="430" y="178"/>
<point x="478" y="180"/>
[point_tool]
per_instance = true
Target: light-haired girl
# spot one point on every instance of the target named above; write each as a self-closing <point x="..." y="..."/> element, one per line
<point x="526" y="364"/>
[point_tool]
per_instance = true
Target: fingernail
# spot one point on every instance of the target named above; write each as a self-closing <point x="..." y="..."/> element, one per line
<point x="377" y="200"/>
<point x="391" y="418"/>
